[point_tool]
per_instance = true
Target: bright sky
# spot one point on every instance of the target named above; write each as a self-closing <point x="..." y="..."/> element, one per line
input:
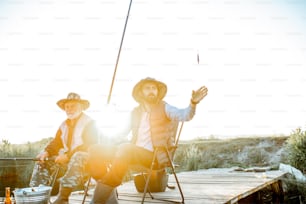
<point x="252" y="59"/>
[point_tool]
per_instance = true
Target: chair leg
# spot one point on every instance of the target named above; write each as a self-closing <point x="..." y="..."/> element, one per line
<point x="53" y="180"/>
<point x="148" y="179"/>
<point x="146" y="189"/>
<point x="178" y="184"/>
<point x="86" y="190"/>
<point x="176" y="179"/>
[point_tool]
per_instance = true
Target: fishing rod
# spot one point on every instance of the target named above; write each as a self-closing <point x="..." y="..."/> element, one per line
<point x="25" y="159"/>
<point x="114" y="74"/>
<point x="119" y="52"/>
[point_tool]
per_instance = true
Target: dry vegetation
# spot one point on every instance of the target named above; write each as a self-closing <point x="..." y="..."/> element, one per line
<point x="242" y="152"/>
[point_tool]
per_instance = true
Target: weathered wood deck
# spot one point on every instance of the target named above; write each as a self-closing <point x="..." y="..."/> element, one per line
<point x="200" y="187"/>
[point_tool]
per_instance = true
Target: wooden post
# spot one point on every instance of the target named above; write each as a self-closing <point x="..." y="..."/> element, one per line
<point x="278" y="193"/>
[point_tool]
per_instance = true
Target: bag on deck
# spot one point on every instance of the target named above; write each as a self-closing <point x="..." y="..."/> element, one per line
<point x="158" y="181"/>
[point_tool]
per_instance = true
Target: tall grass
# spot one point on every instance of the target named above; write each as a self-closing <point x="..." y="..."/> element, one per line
<point x="242" y="152"/>
<point x="192" y="158"/>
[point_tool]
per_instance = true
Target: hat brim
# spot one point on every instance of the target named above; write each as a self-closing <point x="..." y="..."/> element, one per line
<point x="162" y="89"/>
<point x="84" y="103"/>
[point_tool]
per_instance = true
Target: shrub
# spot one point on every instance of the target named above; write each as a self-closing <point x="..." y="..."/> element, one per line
<point x="296" y="149"/>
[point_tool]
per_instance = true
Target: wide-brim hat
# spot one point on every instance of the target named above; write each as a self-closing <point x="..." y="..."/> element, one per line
<point x="162" y="89"/>
<point x="73" y="97"/>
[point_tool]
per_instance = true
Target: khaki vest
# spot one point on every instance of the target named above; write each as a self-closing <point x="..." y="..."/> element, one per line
<point x="163" y="130"/>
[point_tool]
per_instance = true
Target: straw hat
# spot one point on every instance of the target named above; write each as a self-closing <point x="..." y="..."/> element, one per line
<point x="73" y="97"/>
<point x="162" y="89"/>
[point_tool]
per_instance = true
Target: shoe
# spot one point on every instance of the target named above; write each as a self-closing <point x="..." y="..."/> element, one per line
<point x="104" y="194"/>
<point x="63" y="196"/>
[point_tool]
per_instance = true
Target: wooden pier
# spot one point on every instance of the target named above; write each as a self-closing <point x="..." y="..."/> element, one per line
<point x="206" y="186"/>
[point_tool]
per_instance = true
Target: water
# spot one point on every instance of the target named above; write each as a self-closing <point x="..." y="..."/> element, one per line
<point x="14" y="174"/>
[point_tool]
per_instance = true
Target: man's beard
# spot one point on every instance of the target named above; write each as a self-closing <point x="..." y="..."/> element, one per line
<point x="74" y="115"/>
<point x="151" y="99"/>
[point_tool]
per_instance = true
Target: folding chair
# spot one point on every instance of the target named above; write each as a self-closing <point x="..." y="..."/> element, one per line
<point x="170" y="150"/>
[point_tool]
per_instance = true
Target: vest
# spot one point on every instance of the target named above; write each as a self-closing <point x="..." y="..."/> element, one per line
<point x="163" y="130"/>
<point x="77" y="138"/>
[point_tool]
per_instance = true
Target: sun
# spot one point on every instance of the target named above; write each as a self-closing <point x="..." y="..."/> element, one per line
<point x="113" y="123"/>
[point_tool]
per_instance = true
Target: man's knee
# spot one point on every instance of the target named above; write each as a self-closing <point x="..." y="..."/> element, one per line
<point x="100" y="158"/>
<point x="125" y="150"/>
<point x="102" y="152"/>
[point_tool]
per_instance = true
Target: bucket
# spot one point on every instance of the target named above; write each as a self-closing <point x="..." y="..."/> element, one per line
<point x="158" y="181"/>
<point x="33" y="195"/>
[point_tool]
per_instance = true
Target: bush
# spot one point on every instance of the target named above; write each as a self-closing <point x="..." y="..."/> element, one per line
<point x="296" y="149"/>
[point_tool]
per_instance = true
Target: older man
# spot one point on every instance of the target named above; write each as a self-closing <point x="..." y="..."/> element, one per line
<point x="151" y="126"/>
<point x="68" y="149"/>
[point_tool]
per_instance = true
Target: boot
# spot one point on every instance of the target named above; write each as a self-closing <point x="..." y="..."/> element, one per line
<point x="104" y="194"/>
<point x="113" y="198"/>
<point x="63" y="195"/>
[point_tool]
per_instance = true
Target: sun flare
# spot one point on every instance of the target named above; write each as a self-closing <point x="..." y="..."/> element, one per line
<point x="113" y="122"/>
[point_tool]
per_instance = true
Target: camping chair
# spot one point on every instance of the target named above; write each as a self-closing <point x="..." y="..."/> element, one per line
<point x="169" y="164"/>
<point x="154" y="168"/>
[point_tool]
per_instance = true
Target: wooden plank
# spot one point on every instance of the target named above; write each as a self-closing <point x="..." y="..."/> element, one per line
<point x="205" y="186"/>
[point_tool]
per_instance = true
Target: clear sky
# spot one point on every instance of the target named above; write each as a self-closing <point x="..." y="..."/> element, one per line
<point x="252" y="59"/>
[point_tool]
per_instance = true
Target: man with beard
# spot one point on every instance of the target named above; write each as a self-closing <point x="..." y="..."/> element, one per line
<point x="151" y="126"/>
<point x="68" y="149"/>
